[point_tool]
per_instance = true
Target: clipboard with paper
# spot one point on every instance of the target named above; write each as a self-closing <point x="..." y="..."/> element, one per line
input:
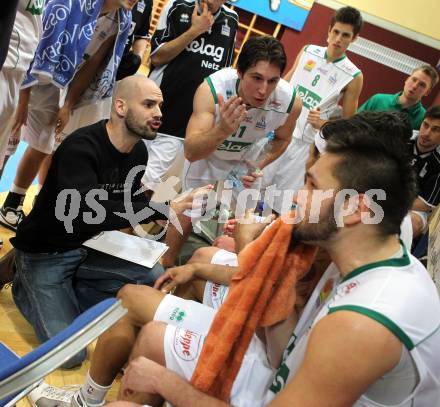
<point x="132" y="248"/>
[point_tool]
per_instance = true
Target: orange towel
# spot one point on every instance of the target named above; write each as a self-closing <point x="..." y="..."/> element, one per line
<point x="261" y="294"/>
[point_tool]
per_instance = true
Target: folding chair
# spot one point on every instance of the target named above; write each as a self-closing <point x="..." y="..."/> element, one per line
<point x="18" y="376"/>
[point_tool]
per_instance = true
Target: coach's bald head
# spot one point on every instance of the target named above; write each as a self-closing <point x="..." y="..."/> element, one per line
<point x="136" y="102"/>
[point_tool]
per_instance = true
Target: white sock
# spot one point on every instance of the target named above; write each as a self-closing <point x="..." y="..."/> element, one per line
<point x="18" y="190"/>
<point x="92" y="392"/>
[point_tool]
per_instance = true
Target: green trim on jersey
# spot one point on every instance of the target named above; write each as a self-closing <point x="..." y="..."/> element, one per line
<point x="211" y="86"/>
<point x="357" y="74"/>
<point x="336" y="60"/>
<point x="400" y="262"/>
<point x="428" y="336"/>
<point x="292" y="101"/>
<point x="382" y="319"/>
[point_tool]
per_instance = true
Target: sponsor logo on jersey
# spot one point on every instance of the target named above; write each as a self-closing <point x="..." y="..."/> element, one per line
<point x="35" y="7"/>
<point x="322" y="70"/>
<point x="218" y="292"/>
<point x="186" y="344"/>
<point x="348" y="288"/>
<point x="233" y="146"/>
<point x="261" y="124"/>
<point x="184" y="18"/>
<point x="178" y="314"/>
<point x="210" y="65"/>
<point x="215" y="289"/>
<point x="199" y="47"/>
<point x="226" y="30"/>
<point x="141" y="6"/>
<point x="333" y="78"/>
<point x="248" y="119"/>
<point x="326" y="291"/>
<point x="274" y="103"/>
<point x="310" y="100"/>
<point x="310" y="64"/>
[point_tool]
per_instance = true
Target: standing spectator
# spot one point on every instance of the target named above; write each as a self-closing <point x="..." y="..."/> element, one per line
<point x="137" y="40"/>
<point x="190" y="43"/>
<point x="26" y="32"/>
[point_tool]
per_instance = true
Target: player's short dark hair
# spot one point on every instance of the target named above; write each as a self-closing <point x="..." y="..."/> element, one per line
<point x="375" y="155"/>
<point x="433" y="112"/>
<point x="263" y="48"/>
<point x="429" y="71"/>
<point x="348" y="15"/>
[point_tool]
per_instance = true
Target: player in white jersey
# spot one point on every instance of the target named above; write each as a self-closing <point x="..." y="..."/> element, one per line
<point x="25" y="35"/>
<point x="232" y="110"/>
<point x="367" y="345"/>
<point x="323" y="77"/>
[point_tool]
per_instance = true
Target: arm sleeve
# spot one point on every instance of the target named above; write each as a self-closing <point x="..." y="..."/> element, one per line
<point x="84" y="178"/>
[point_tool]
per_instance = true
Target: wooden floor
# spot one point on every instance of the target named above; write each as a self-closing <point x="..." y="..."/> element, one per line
<point x="16" y="332"/>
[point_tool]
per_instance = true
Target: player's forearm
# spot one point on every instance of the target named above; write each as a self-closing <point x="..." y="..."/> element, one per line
<point x="169" y="50"/>
<point x="181" y="393"/>
<point x="85" y="75"/>
<point x="201" y="145"/>
<point x="216" y="273"/>
<point x="419" y="205"/>
<point x="139" y="46"/>
<point x="278" y="147"/>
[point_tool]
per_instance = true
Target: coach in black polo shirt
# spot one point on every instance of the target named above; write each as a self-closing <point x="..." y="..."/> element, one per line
<point x="426" y="161"/>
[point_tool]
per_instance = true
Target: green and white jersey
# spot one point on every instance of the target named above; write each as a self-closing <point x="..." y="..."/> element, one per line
<point x="256" y="125"/>
<point x="320" y="84"/>
<point x="25" y="35"/>
<point x="399" y="294"/>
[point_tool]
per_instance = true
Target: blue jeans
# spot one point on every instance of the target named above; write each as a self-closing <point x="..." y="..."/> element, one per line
<point x="52" y="289"/>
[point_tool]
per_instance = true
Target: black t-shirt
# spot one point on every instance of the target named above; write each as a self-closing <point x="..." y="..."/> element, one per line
<point x="427" y="167"/>
<point x="180" y="78"/>
<point x="86" y="181"/>
<point x="140" y="23"/>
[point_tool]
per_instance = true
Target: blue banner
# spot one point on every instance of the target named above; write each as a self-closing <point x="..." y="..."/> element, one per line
<point x="290" y="13"/>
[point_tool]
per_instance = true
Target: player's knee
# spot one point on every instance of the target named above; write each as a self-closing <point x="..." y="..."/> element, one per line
<point x="150" y="341"/>
<point x="203" y="255"/>
<point x="132" y="294"/>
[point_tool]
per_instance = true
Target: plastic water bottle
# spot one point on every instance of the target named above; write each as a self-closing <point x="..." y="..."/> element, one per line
<point x="250" y="163"/>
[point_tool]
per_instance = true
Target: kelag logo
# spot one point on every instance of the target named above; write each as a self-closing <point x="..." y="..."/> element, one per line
<point x="310" y="100"/>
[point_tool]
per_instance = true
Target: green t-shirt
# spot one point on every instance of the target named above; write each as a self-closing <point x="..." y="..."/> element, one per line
<point x="384" y="101"/>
